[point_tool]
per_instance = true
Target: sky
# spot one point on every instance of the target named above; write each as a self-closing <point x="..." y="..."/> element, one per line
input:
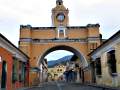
<point x="14" y="13"/>
<point x="57" y="55"/>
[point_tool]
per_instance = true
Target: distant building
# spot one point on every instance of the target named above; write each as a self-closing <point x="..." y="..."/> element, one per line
<point x="14" y="66"/>
<point x="105" y="62"/>
<point x="56" y="72"/>
<point x="44" y="71"/>
<point x="75" y="65"/>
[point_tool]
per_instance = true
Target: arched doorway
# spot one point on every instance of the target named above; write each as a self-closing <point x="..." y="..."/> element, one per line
<point x="83" y="62"/>
<point x="68" y="48"/>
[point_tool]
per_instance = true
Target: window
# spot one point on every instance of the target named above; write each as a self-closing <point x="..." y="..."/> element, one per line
<point x="61" y="70"/>
<point x="4" y="75"/>
<point x="111" y="62"/>
<point x="21" y="71"/>
<point x="61" y="31"/>
<point x="93" y="46"/>
<point x="55" y="74"/>
<point x="98" y="67"/>
<point x="14" y="70"/>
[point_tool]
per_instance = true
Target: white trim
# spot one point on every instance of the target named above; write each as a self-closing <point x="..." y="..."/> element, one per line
<point x="4" y="44"/>
<point x="58" y="33"/>
<point x="106" y="48"/>
<point x="64" y="31"/>
<point x="0" y="59"/>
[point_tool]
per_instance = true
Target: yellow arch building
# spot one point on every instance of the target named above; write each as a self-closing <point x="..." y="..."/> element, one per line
<point x="37" y="42"/>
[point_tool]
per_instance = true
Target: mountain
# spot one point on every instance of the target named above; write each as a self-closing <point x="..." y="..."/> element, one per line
<point x="62" y="60"/>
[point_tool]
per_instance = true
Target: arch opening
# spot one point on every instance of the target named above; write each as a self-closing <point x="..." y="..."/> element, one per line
<point x="67" y="48"/>
<point x="75" y="67"/>
<point x="58" y="54"/>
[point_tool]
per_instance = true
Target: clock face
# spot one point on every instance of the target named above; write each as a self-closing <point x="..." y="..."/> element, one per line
<point x="60" y="17"/>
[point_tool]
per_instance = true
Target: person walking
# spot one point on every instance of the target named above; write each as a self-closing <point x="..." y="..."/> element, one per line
<point x="70" y="74"/>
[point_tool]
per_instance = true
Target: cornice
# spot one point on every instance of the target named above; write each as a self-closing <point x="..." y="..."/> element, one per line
<point x="107" y="45"/>
<point x="68" y="27"/>
<point x="5" y="43"/>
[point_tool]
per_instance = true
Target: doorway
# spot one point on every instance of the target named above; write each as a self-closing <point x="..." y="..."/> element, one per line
<point x="4" y="74"/>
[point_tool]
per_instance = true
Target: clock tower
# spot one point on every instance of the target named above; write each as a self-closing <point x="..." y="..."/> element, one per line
<point x="60" y="15"/>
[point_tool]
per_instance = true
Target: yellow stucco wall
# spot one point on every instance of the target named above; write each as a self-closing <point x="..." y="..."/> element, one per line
<point x="54" y="70"/>
<point x="117" y="48"/>
<point x="37" y="49"/>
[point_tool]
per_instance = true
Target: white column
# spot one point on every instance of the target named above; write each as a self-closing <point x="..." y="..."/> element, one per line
<point x="64" y="33"/>
<point x="41" y="73"/>
<point x="58" y="33"/>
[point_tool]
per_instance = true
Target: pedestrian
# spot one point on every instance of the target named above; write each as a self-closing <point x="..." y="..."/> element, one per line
<point x="70" y="74"/>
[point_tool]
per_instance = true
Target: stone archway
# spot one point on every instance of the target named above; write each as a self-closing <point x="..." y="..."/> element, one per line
<point x="83" y="61"/>
<point x="68" y="48"/>
<point x="37" y="42"/>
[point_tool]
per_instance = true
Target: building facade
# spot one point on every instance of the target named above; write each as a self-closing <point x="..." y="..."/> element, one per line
<point x="37" y="42"/>
<point x="44" y="71"/>
<point x="14" y="66"/>
<point x="105" y="62"/>
<point x="56" y="72"/>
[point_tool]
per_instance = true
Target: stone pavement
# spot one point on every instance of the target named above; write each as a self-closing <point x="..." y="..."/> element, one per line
<point x="68" y="86"/>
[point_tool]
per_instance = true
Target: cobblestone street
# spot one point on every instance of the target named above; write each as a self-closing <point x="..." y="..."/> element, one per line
<point x="68" y="86"/>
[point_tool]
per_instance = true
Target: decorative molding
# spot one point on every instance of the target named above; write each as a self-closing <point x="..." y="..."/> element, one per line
<point x="25" y="40"/>
<point x="43" y="28"/>
<point x="16" y="53"/>
<point x="93" y="38"/>
<point x="64" y="31"/>
<point x="53" y="28"/>
<point x="106" y="48"/>
<point x="58" y="39"/>
<point x="114" y="39"/>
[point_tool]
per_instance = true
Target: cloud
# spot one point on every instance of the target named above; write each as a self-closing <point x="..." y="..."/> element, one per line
<point x="38" y="13"/>
<point x="104" y="12"/>
<point x="58" y="54"/>
<point x="10" y="29"/>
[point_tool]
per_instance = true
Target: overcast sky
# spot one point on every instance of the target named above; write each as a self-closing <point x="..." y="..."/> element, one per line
<point x="13" y="13"/>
